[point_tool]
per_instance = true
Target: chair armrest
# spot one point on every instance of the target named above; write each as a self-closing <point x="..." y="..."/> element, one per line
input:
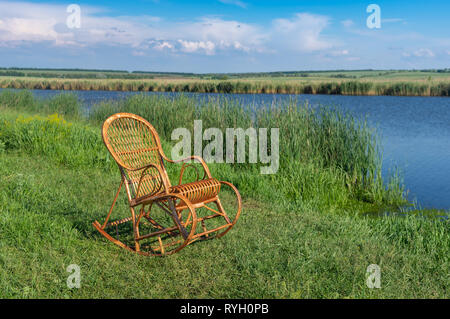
<point x="144" y="169"/>
<point x="190" y="158"/>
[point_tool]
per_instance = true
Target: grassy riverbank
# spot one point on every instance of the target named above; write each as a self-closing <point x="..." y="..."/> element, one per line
<point x="300" y="234"/>
<point x="326" y="158"/>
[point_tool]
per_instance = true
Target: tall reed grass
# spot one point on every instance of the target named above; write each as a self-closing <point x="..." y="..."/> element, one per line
<point x="341" y="87"/>
<point x="327" y="157"/>
<point x="63" y="104"/>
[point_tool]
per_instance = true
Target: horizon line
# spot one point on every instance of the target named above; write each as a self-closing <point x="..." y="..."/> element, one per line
<point x="215" y="73"/>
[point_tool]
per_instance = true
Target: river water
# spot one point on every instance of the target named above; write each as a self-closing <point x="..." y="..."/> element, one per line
<point x="415" y="133"/>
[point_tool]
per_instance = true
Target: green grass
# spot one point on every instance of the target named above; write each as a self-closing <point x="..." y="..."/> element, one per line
<point x="328" y="159"/>
<point x="301" y="233"/>
<point x="273" y="252"/>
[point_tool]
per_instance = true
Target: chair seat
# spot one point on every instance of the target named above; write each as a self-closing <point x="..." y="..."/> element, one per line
<point x="199" y="191"/>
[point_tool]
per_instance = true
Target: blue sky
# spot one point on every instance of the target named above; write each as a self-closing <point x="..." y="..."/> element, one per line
<point x="225" y="35"/>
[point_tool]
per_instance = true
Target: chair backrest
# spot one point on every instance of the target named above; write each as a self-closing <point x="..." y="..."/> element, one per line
<point x="134" y="143"/>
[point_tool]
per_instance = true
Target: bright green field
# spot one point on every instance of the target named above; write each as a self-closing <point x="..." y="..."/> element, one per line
<point x="56" y="178"/>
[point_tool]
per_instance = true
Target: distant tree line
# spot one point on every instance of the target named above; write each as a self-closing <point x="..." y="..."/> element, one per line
<point x="67" y="73"/>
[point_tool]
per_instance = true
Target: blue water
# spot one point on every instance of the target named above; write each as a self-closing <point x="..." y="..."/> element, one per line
<point x="415" y="133"/>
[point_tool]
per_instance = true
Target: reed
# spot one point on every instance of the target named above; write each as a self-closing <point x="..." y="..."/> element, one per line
<point x="362" y="86"/>
<point x="64" y="104"/>
<point x="327" y="158"/>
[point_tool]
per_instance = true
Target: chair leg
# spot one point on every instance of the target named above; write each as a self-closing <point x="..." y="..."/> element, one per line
<point x="180" y="223"/>
<point x="102" y="228"/>
<point x="135" y="229"/>
<point x="177" y="230"/>
<point x="176" y="219"/>
<point x="222" y="211"/>
<point x="225" y="215"/>
<point x="113" y="203"/>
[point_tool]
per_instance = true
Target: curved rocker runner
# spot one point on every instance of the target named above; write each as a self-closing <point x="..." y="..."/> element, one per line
<point x="169" y="213"/>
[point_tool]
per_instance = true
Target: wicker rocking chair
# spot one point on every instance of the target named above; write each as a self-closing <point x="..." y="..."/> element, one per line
<point x="168" y="213"/>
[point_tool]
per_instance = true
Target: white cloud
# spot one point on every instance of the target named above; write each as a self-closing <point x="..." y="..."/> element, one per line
<point x="22" y="22"/>
<point x="164" y="45"/>
<point x="195" y="46"/>
<point x="30" y="22"/>
<point x="28" y="29"/>
<point x="225" y="34"/>
<point x="303" y="32"/>
<point x="423" y="53"/>
<point x="420" y="53"/>
<point x="27" y="22"/>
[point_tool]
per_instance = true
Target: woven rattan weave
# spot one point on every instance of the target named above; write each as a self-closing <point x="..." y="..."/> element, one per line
<point x="170" y="213"/>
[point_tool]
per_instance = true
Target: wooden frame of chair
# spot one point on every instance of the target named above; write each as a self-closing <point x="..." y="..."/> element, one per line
<point x="135" y="146"/>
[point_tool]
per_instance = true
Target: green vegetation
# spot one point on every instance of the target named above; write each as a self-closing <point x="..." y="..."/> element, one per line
<point x="327" y="158"/>
<point x="121" y="74"/>
<point x="365" y="82"/>
<point x="301" y="234"/>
